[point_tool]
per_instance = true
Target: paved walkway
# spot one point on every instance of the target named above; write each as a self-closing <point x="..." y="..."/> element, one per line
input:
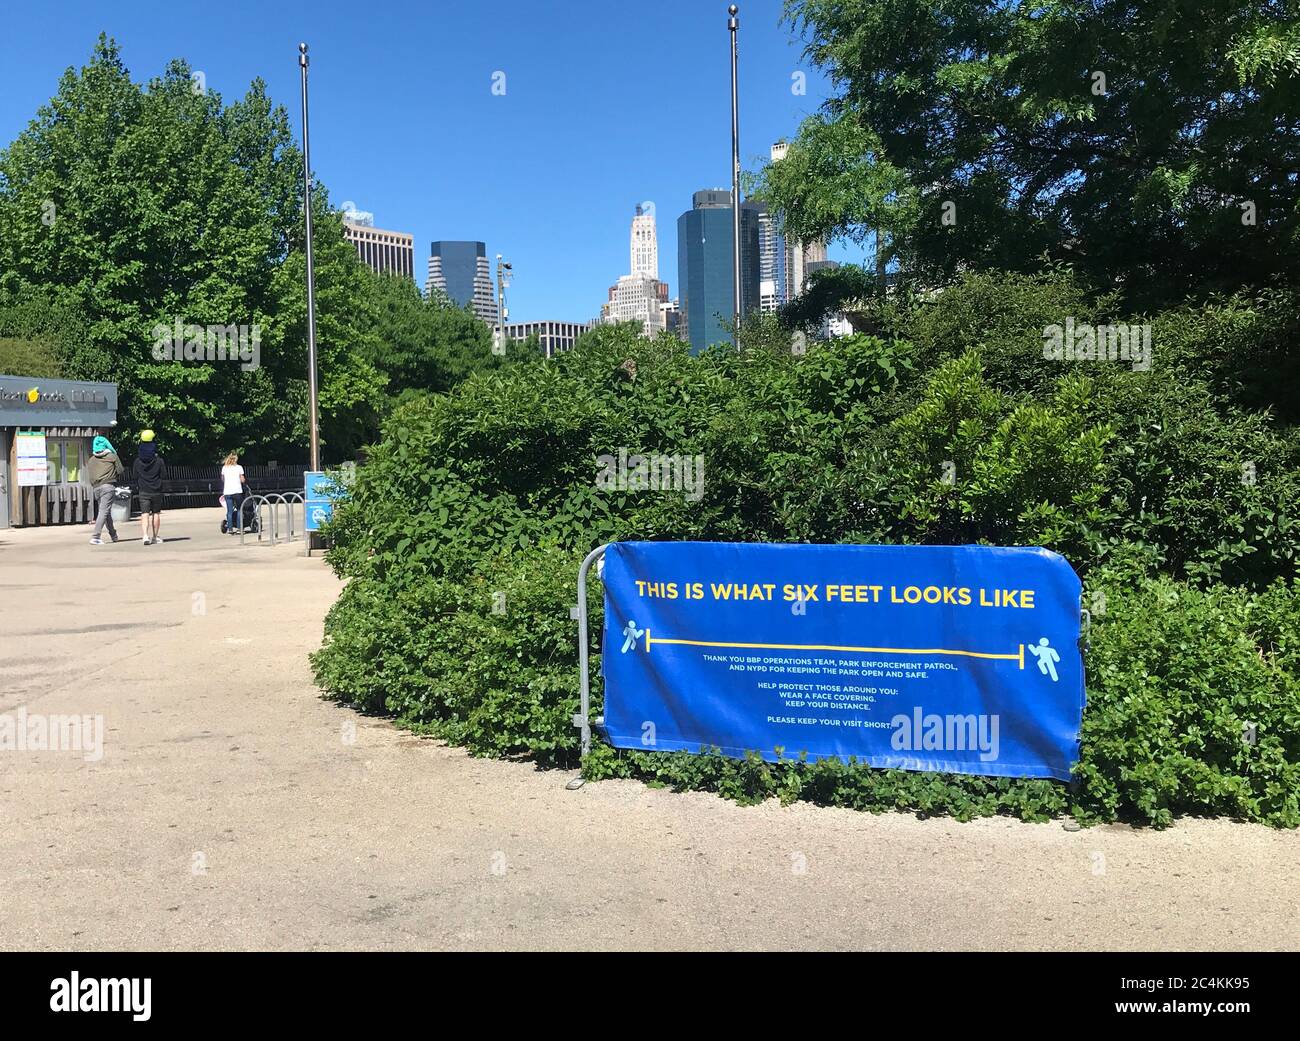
<point x="230" y="810"/>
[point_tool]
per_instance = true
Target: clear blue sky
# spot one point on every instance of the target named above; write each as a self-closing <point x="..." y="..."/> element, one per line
<point x="607" y="104"/>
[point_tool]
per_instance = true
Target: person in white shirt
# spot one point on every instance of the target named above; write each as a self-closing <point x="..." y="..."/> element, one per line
<point x="232" y="487"/>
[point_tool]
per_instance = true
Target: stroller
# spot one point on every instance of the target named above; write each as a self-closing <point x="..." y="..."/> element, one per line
<point x="251" y="519"/>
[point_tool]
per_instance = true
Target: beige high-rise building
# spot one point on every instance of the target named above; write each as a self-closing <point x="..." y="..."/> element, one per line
<point x="644" y="246"/>
<point x="382" y="250"/>
<point x="798" y="257"/>
<point x="637" y="298"/>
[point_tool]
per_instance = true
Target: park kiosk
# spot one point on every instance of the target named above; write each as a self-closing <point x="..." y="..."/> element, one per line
<point x="46" y="430"/>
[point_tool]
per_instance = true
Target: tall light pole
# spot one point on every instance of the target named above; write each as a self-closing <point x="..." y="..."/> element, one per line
<point x="313" y="390"/>
<point x="733" y="24"/>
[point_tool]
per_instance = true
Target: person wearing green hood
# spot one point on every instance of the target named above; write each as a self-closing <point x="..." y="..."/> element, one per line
<point x="104" y="471"/>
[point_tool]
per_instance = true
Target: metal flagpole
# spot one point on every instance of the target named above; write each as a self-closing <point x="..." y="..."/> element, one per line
<point x="313" y="389"/>
<point x="733" y="24"/>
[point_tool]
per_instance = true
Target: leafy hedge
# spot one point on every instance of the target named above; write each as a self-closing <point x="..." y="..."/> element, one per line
<point x="488" y="662"/>
<point x="1177" y="679"/>
<point x="464" y="531"/>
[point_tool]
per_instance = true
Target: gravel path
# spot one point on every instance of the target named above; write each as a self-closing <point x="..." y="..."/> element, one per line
<point x="234" y="809"/>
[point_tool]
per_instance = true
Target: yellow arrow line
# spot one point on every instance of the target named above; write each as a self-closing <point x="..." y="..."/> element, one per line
<point x="1019" y="656"/>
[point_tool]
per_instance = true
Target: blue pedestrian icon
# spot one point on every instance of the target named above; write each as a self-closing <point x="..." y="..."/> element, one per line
<point x="633" y="634"/>
<point x="1047" y="657"/>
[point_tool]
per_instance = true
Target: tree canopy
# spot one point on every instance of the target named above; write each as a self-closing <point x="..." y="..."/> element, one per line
<point x="125" y="206"/>
<point x="429" y="344"/>
<point x="1152" y="144"/>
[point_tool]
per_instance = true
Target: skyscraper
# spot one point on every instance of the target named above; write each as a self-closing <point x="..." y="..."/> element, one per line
<point x="795" y="256"/>
<point x="704" y="266"/>
<point x="771" y="260"/>
<point x="638" y="298"/>
<point x="382" y="250"/>
<point x="645" y="246"/>
<point x="800" y="258"/>
<point x="460" y="270"/>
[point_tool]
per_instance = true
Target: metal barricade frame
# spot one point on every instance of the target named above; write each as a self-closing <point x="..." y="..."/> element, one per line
<point x="582" y="719"/>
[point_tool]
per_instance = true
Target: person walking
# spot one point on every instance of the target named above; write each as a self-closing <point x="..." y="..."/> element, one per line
<point x="104" y="471"/>
<point x="232" y="488"/>
<point x="149" y="472"/>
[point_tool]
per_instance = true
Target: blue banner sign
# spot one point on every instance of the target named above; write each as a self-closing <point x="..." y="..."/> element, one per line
<point x="963" y="659"/>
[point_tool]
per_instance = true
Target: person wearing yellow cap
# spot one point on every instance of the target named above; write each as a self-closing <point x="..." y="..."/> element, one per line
<point x="149" y="472"/>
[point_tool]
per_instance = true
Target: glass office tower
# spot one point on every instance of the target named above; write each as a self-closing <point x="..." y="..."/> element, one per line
<point x="461" y="270"/>
<point x="704" y="266"/>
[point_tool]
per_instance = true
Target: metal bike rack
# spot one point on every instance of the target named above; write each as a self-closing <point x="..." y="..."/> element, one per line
<point x="257" y="502"/>
<point x="292" y="499"/>
<point x="272" y="503"/>
<point x="288" y="500"/>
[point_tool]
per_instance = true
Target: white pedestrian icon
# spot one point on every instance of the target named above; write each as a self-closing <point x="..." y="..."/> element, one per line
<point x="1047" y="657"/>
<point x="633" y="634"/>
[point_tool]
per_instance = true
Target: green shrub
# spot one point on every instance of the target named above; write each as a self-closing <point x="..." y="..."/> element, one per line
<point x="1001" y="315"/>
<point x="486" y="497"/>
<point x="1193" y="705"/>
<point x="1241" y="346"/>
<point x="1177" y="679"/>
<point x="1211" y="491"/>
<point x="487" y="662"/>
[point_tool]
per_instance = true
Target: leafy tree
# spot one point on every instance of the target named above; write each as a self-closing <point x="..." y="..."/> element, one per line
<point x="847" y="288"/>
<point x="37" y="337"/>
<point x="137" y="207"/>
<point x="29" y="358"/>
<point x="1153" y="144"/>
<point x="426" y="344"/>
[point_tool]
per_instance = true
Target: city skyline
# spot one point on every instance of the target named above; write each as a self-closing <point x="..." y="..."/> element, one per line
<point x="558" y="214"/>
